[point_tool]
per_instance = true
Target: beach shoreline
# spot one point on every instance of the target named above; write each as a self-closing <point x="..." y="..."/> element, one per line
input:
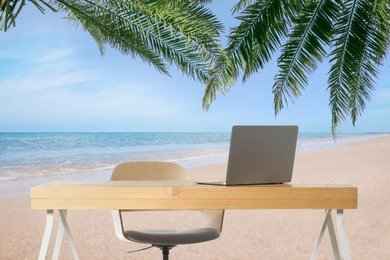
<point x="281" y="234"/>
<point x="16" y="187"/>
<point x="30" y="156"/>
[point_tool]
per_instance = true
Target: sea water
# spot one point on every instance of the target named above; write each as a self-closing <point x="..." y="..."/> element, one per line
<point x="31" y="155"/>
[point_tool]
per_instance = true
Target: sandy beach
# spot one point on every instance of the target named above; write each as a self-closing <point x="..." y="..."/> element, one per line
<point x="247" y="234"/>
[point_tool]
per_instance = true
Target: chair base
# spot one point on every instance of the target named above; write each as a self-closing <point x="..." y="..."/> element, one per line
<point x="165" y="250"/>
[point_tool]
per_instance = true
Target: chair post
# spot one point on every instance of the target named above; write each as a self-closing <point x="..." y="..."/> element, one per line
<point x="165" y="251"/>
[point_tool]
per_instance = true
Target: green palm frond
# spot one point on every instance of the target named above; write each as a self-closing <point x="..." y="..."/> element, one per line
<point x="221" y="76"/>
<point x="340" y="74"/>
<point x="264" y="21"/>
<point x="252" y="43"/>
<point x="10" y="9"/>
<point x="162" y="33"/>
<point x="242" y="4"/>
<point x="255" y="62"/>
<point x="99" y="21"/>
<point x="183" y="2"/>
<point x="353" y="34"/>
<point x="361" y="45"/>
<point x="381" y="29"/>
<point x="365" y="70"/>
<point x="304" y="50"/>
<point x="41" y="4"/>
<point x="199" y="28"/>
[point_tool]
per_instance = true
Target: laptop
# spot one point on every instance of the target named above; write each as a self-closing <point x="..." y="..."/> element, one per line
<point x="260" y="155"/>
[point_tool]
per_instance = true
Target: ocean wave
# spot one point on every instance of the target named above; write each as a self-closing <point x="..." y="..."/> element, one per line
<point x="35" y="155"/>
<point x="43" y="170"/>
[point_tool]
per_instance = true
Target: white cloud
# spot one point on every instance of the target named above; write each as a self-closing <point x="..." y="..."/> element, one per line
<point x="48" y="69"/>
<point x="55" y="83"/>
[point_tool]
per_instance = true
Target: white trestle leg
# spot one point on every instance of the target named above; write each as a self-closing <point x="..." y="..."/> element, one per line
<point x="328" y="222"/>
<point x="62" y="227"/>
<point x="342" y="234"/>
<point x="46" y="235"/>
<point x="60" y="235"/>
<point x="68" y="234"/>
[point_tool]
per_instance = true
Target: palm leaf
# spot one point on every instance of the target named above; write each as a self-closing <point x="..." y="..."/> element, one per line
<point x="9" y="12"/>
<point x="242" y="4"/>
<point x="354" y="33"/>
<point x="255" y="61"/>
<point x="304" y="50"/>
<point x="263" y="21"/>
<point x="103" y="24"/>
<point x="340" y="74"/>
<point x="372" y="43"/>
<point x="201" y="28"/>
<point x="381" y="29"/>
<point x="148" y="31"/>
<point x="41" y="3"/>
<point x="360" y="46"/>
<point x="221" y="76"/>
<point x="364" y="70"/>
<point x="251" y="44"/>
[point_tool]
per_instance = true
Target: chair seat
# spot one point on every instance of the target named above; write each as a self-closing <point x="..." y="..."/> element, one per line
<point x="172" y="237"/>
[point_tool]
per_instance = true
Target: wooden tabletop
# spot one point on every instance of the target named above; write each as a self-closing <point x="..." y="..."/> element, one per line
<point x="161" y="195"/>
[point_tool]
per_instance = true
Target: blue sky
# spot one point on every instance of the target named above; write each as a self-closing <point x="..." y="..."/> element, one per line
<point x="53" y="78"/>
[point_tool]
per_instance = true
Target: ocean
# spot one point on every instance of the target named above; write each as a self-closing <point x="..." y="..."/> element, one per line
<point x="31" y="155"/>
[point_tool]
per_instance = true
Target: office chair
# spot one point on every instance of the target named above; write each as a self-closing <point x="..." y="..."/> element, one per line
<point x="163" y="239"/>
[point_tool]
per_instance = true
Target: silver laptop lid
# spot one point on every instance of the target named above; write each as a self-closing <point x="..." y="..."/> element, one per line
<point x="261" y="154"/>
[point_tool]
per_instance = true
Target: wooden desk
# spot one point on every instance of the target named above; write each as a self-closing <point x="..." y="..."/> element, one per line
<point x="162" y="195"/>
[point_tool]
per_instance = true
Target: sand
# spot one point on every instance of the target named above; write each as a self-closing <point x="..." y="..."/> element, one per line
<point x="247" y="234"/>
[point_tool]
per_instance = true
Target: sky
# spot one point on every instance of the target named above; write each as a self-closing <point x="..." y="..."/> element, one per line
<point x="54" y="79"/>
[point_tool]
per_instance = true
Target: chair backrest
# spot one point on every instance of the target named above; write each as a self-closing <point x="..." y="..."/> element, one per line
<point x="163" y="171"/>
<point x="149" y="171"/>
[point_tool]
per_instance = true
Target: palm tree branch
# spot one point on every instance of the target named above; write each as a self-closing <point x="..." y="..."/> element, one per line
<point x="303" y="51"/>
<point x="132" y="21"/>
<point x="242" y="4"/>
<point x="200" y="26"/>
<point x="221" y="76"/>
<point x="251" y="44"/>
<point x="177" y="48"/>
<point x="340" y="73"/>
<point x="95" y="21"/>
<point x="255" y="61"/>
<point x="45" y="3"/>
<point x="8" y="13"/>
<point x="372" y="45"/>
<point x="262" y="21"/>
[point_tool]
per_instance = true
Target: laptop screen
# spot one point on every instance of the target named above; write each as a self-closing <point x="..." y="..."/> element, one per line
<point x="261" y="154"/>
